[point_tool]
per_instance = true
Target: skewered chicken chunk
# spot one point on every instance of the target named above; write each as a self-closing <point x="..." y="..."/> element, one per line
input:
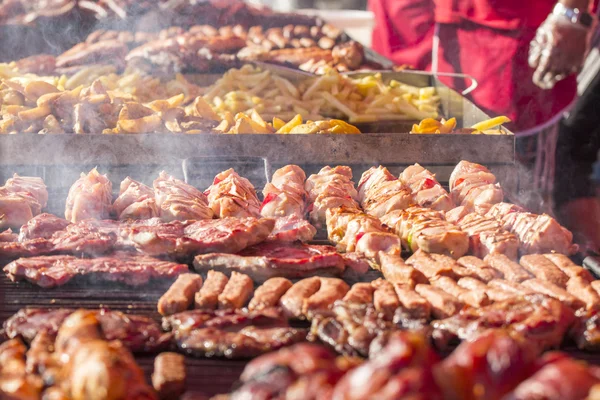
<point x="21" y="199"/>
<point x="28" y="184"/>
<point x="422" y="228"/>
<point x="381" y="193"/>
<point x="426" y="189"/>
<point x="230" y="195"/>
<point x="285" y="199"/>
<point x="474" y="186"/>
<point x="135" y="201"/>
<point x="89" y="197"/>
<point x="330" y="188"/>
<point x="179" y="201"/>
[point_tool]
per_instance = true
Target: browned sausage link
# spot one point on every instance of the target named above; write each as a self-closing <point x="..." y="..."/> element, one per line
<point x="208" y="297"/>
<point x="511" y="270"/>
<point x="360" y="293"/>
<point x="581" y="288"/>
<point x="568" y="267"/>
<point x="395" y="270"/>
<point x="443" y="305"/>
<point x="483" y="271"/>
<point x="168" y="378"/>
<point x="385" y="298"/>
<point x="237" y="291"/>
<point x="511" y="287"/>
<point x="293" y="300"/>
<point x="180" y="295"/>
<point x="269" y="293"/>
<point x="494" y="294"/>
<point x="331" y="289"/>
<point x="474" y="298"/>
<point x="552" y="290"/>
<point x="544" y="269"/>
<point x="416" y="306"/>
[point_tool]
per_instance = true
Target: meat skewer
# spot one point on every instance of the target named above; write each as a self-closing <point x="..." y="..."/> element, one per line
<point x="421" y="228"/>
<point x="536" y="233"/>
<point x="89" y="197"/>
<point x="427" y="191"/>
<point x="486" y="234"/>
<point x="230" y="195"/>
<point x="135" y="201"/>
<point x="474" y="187"/>
<point x="286" y="200"/>
<point x="330" y="188"/>
<point x="269" y="293"/>
<point x="381" y="193"/>
<point x="21" y="199"/>
<point x="180" y="295"/>
<point x="179" y="201"/>
<point x="236" y="292"/>
<point x="208" y="296"/>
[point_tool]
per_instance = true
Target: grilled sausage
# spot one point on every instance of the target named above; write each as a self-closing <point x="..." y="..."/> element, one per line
<point x="180" y="295"/>
<point x="544" y="269"/>
<point x="168" y="378"/>
<point x="237" y="291"/>
<point x="268" y="294"/>
<point x="293" y="300"/>
<point x="208" y="297"/>
<point x="443" y="305"/>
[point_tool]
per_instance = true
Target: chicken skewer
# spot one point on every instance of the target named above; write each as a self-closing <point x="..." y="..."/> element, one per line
<point x="474" y="187"/>
<point x="135" y="201"/>
<point x="230" y="195"/>
<point x="426" y="189"/>
<point x="285" y="199"/>
<point x="89" y="197"/>
<point x="177" y="200"/>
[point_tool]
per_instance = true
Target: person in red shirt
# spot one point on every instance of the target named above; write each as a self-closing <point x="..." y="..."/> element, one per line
<point x="524" y="54"/>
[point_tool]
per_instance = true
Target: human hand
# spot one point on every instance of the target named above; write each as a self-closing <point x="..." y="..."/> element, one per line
<point x="557" y="50"/>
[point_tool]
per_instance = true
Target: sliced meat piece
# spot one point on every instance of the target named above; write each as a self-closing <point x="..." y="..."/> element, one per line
<point x="360" y="293"/>
<point x="511" y="270"/>
<point x="269" y="293"/>
<point x="130" y="269"/>
<point x="293" y="300"/>
<point x="356" y="263"/>
<point x="430" y="267"/>
<point x="180" y="295"/>
<point x="480" y="268"/>
<point x="568" y="267"/>
<point x="516" y="289"/>
<point x="581" y="288"/>
<point x="237" y="291"/>
<point x="469" y="297"/>
<point x="42" y="226"/>
<point x="494" y="294"/>
<point x="208" y="296"/>
<point x="291" y="229"/>
<point x="385" y="299"/>
<point x="539" y="233"/>
<point x="168" y="378"/>
<point x="416" y="306"/>
<point x="271" y="259"/>
<point x="89" y="197"/>
<point x="544" y="269"/>
<point x="135" y="201"/>
<point x="331" y="289"/>
<point x="443" y="305"/>
<point x="395" y="270"/>
<point x="552" y="290"/>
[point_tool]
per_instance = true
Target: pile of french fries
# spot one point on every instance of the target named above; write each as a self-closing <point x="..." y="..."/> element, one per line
<point x="334" y="95"/>
<point x="242" y="123"/>
<point x="492" y="126"/>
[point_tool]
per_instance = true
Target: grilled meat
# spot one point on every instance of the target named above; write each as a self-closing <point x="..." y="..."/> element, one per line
<point x="536" y="233"/>
<point x="168" y="378"/>
<point x="269" y="293"/>
<point x="270" y="259"/>
<point x="381" y="193"/>
<point x="331" y="187"/>
<point x="135" y="201"/>
<point x="42" y="226"/>
<point x="468" y="297"/>
<point x="15" y="383"/>
<point x="581" y="288"/>
<point x="549" y="289"/>
<point x="134" y="270"/>
<point x="421" y="228"/>
<point x="330" y="290"/>
<point x="179" y="201"/>
<point x="476" y="364"/>
<point x="360" y="293"/>
<point x="231" y="333"/>
<point x="16" y="208"/>
<point x="89" y="197"/>
<point x="204" y="236"/>
<point x="230" y="195"/>
<point x="544" y="269"/>
<point x="481" y="269"/>
<point x="569" y="268"/>
<point x="539" y="318"/>
<point x="443" y="304"/>
<point x="286" y="200"/>
<point x="395" y="270"/>
<point x="586" y="330"/>
<point x="427" y="191"/>
<point x="292" y="302"/>
<point x="385" y="299"/>
<point x="208" y="296"/>
<point x="510" y="270"/>
<point x="291" y="229"/>
<point x="25" y="184"/>
<point x="180" y="295"/>
<point x="474" y="187"/>
<point x="236" y="292"/>
<point x="285" y="195"/>
<point x="486" y="234"/>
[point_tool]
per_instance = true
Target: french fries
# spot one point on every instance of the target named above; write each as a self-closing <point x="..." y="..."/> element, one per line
<point x="242" y="123"/>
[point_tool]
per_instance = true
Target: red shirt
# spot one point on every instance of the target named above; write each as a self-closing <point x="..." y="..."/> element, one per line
<point x="497" y="14"/>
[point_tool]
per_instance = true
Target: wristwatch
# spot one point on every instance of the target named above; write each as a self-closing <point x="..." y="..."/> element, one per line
<point x="575" y="15"/>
